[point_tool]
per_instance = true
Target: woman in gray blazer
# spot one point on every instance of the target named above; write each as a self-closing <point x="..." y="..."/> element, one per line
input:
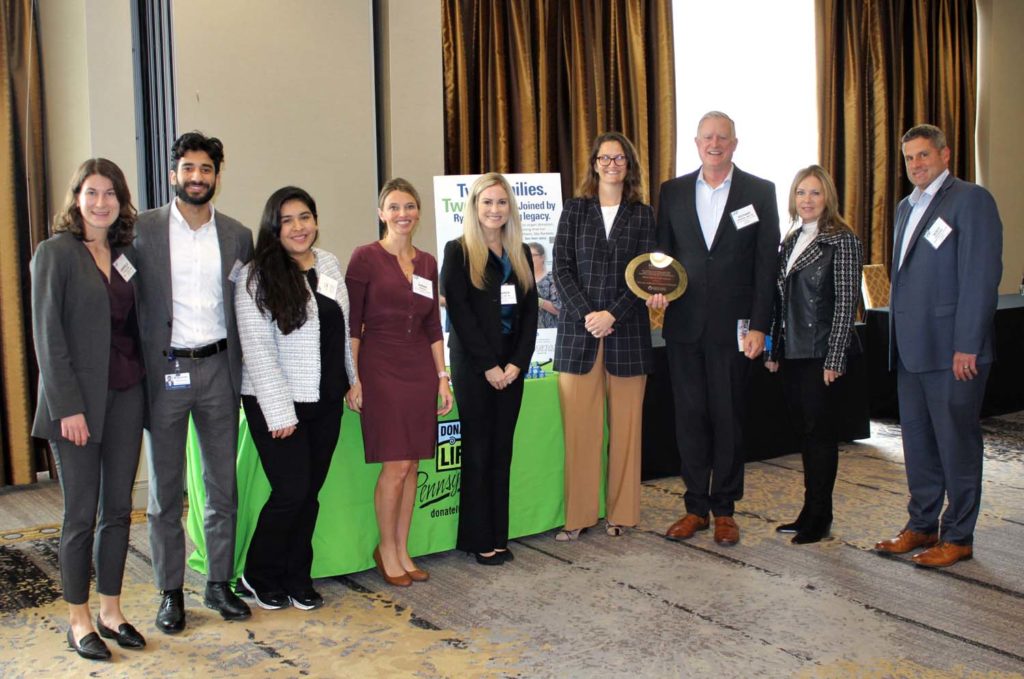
<point x="292" y="311"/>
<point x="91" y="392"/>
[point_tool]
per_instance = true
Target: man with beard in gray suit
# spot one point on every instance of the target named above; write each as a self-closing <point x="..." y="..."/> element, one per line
<point x="189" y="257"/>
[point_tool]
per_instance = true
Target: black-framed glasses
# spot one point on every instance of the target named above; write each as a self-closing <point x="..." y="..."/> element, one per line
<point x="605" y="161"/>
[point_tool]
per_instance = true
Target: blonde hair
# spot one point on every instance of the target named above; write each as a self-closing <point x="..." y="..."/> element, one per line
<point x="397" y="184"/>
<point x="830" y="220"/>
<point x="475" y="248"/>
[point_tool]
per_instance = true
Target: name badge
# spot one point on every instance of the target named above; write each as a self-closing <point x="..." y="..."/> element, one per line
<point x="124" y="267"/>
<point x="742" y="329"/>
<point x="937" y="232"/>
<point x="175" y="381"/>
<point x="423" y="286"/>
<point x="327" y="286"/>
<point x="743" y="217"/>
<point x="508" y="294"/>
<point x="235" y="269"/>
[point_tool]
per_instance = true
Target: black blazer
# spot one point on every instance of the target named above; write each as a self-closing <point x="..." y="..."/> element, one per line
<point x="475" y="314"/>
<point x="735" y="277"/>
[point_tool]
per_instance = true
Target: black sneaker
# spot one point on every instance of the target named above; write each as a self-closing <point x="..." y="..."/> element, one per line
<point x="270" y="601"/>
<point x="307" y="600"/>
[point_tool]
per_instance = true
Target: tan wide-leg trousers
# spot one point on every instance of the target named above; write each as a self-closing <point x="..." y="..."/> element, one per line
<point x="583" y="399"/>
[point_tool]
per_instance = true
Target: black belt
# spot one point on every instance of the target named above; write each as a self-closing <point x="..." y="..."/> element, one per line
<point x="201" y="352"/>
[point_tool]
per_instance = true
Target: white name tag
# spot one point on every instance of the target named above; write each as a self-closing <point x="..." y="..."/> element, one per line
<point x="235" y="269"/>
<point x="173" y="381"/>
<point x="745" y="216"/>
<point x="327" y="286"/>
<point x="937" y="232"/>
<point x="124" y="267"/>
<point x="508" y="294"/>
<point x="742" y="329"/>
<point x="423" y="286"/>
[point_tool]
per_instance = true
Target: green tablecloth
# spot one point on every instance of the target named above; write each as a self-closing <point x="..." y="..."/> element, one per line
<point x="346" y="531"/>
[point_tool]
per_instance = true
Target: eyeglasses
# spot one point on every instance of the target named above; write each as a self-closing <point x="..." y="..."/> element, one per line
<point x="605" y="161"/>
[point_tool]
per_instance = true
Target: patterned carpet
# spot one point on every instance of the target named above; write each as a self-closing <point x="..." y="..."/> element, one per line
<point x="637" y="606"/>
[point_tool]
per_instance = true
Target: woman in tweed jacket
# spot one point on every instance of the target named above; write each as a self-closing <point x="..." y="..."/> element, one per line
<point x="603" y="347"/>
<point x="817" y="292"/>
<point x="297" y="366"/>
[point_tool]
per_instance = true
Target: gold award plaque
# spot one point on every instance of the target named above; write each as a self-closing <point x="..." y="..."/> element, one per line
<point x="656" y="273"/>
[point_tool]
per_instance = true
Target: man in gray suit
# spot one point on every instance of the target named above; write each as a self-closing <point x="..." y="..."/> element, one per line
<point x="189" y="257"/>
<point x="947" y="262"/>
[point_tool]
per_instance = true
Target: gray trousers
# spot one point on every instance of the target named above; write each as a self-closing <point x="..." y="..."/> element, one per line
<point x="214" y="407"/>
<point x="97" y="478"/>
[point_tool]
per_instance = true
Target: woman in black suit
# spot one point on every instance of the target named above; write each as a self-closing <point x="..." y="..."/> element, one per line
<point x="816" y="298"/>
<point x="90" y="392"/>
<point x="492" y="304"/>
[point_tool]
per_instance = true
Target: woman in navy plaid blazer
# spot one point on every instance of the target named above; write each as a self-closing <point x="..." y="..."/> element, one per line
<point x="603" y="348"/>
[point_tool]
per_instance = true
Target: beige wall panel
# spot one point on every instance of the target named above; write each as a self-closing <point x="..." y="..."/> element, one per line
<point x="1000" y="111"/>
<point x="288" y="87"/>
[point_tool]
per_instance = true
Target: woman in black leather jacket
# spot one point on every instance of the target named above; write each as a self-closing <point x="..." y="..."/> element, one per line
<point x="816" y="297"/>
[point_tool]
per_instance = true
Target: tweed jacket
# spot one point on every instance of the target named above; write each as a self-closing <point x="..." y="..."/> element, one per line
<point x="278" y="369"/>
<point x="156" y="306"/>
<point x="71" y="332"/>
<point x="816" y="301"/>
<point x="734" y="278"/>
<point x="590" y="274"/>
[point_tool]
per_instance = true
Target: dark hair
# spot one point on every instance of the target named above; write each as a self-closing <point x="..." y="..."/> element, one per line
<point x="69" y="219"/>
<point x="538" y="247"/>
<point x="197" y="141"/>
<point x="632" y="189"/>
<point x="933" y="134"/>
<point x="275" y="281"/>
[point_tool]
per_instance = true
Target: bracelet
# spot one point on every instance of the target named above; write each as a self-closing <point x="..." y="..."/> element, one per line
<point x="443" y="375"/>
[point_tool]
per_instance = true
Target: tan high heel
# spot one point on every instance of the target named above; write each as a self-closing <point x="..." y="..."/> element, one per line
<point x="402" y="580"/>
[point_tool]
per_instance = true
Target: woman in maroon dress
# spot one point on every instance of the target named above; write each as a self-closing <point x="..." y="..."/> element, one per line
<point x="398" y="349"/>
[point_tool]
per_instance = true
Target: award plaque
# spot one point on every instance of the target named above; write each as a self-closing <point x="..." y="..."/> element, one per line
<point x="656" y="273"/>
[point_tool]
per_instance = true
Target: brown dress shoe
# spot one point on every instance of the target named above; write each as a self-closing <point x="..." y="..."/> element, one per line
<point x="726" y="530"/>
<point x="684" y="528"/>
<point x="907" y="541"/>
<point x="943" y="554"/>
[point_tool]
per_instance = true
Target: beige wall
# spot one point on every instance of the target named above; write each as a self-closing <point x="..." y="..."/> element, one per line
<point x="1000" y="112"/>
<point x="289" y="90"/>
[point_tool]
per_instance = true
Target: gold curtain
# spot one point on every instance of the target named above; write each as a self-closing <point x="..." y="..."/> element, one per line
<point x="883" y="67"/>
<point x="22" y="226"/>
<point x="530" y="83"/>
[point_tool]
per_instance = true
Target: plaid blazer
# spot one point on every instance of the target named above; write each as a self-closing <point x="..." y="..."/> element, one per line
<point x="589" y="270"/>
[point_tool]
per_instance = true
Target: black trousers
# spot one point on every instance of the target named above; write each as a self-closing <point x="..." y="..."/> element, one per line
<point x="812" y="409"/>
<point x="710" y="391"/>
<point x="280" y="555"/>
<point x="488" y="424"/>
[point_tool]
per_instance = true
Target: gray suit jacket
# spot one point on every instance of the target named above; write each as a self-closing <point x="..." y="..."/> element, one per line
<point x="156" y="316"/>
<point x="943" y="299"/>
<point x="71" y="332"/>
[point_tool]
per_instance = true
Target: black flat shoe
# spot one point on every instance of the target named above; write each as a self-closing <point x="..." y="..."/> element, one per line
<point x="806" y="536"/>
<point x="126" y="635"/>
<point x="220" y="598"/>
<point x="506" y="554"/>
<point x="307" y="601"/>
<point x="268" y="600"/>
<point x="170" y="617"/>
<point x="495" y="559"/>
<point x="788" y="528"/>
<point x="91" y="647"/>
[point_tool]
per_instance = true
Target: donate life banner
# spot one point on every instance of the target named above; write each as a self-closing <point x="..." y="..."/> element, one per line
<point x="539" y="198"/>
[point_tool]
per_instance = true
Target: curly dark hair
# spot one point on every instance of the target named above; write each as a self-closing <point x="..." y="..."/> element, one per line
<point x="69" y="218"/>
<point x="197" y="141"/>
<point x="275" y="281"/>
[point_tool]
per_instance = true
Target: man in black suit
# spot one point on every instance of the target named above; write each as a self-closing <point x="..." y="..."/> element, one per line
<point x="722" y="224"/>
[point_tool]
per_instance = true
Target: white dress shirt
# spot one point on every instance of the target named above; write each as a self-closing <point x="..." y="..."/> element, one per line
<point x="808" y="232"/>
<point x="920" y="200"/>
<point x="196" y="283"/>
<point x="711" y="204"/>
